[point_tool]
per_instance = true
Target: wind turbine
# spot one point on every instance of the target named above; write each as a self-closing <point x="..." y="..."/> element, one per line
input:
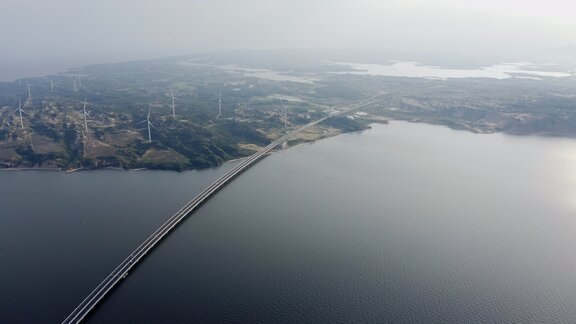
<point x="173" y="103"/>
<point x="29" y="92"/>
<point x="148" y="123"/>
<point x="51" y="85"/>
<point x="85" y="115"/>
<point x="21" y="111"/>
<point x="83" y="144"/>
<point x="285" y="115"/>
<point x="219" y="104"/>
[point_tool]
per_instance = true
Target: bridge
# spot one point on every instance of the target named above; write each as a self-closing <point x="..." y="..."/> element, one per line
<point x="122" y="270"/>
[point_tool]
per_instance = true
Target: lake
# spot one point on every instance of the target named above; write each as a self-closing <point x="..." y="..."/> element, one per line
<point x="522" y="70"/>
<point x="401" y="223"/>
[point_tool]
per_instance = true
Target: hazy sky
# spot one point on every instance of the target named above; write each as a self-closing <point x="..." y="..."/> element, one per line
<point x="151" y="28"/>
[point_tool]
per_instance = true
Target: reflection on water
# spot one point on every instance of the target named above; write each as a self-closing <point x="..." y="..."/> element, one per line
<point x="401" y="223"/>
<point x="267" y="74"/>
<point x="414" y="70"/>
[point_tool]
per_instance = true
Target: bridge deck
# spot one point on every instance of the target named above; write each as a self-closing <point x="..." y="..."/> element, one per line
<point x="121" y="271"/>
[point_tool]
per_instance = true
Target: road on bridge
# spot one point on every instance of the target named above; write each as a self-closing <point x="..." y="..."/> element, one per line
<point x="121" y="271"/>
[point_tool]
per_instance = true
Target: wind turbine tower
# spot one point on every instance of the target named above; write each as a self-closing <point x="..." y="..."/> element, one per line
<point x="285" y="115"/>
<point x="75" y="87"/>
<point x="219" y="104"/>
<point x="29" y="92"/>
<point x="173" y="103"/>
<point x="21" y="111"/>
<point x="149" y="124"/>
<point x="51" y="85"/>
<point x="83" y="144"/>
<point x="85" y="115"/>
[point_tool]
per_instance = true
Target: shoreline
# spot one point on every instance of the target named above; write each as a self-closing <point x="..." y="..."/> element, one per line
<point x="32" y="169"/>
<point x="369" y="125"/>
<point x="110" y="168"/>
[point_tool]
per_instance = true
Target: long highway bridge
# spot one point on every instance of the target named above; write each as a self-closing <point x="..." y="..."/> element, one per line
<point x="122" y="270"/>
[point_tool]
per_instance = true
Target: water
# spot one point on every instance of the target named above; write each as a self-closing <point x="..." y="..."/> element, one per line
<point x="267" y="74"/>
<point x="26" y="67"/>
<point x="402" y="223"/>
<point x="61" y="234"/>
<point x="414" y="70"/>
<point x="12" y="69"/>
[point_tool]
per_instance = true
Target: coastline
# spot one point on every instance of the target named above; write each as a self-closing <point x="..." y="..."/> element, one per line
<point x="32" y="169"/>
<point x="310" y="140"/>
<point x="291" y="143"/>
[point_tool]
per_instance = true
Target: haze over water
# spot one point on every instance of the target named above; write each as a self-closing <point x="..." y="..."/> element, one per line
<point x="415" y="70"/>
<point x="404" y="222"/>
